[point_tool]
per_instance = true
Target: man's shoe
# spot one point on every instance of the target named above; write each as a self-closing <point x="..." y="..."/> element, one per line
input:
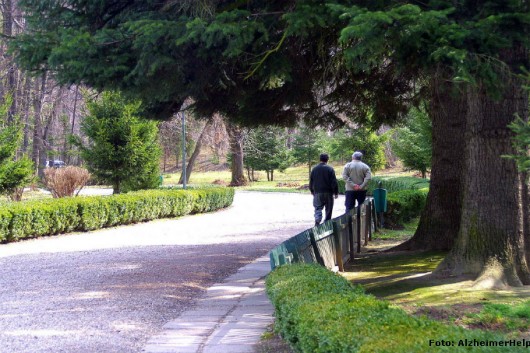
<point x="317" y="224"/>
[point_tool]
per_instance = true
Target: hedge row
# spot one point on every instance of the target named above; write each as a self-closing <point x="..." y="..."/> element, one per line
<point x="52" y="216"/>
<point x="406" y="197"/>
<point x="391" y="184"/>
<point x="402" y="206"/>
<point x="319" y="311"/>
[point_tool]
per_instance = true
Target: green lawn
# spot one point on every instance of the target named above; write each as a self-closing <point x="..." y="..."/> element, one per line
<point x="290" y="180"/>
<point x="405" y="279"/>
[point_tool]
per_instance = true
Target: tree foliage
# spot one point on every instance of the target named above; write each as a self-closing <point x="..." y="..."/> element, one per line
<point x="122" y="148"/>
<point x="413" y="142"/>
<point x="307" y="145"/>
<point x="14" y="173"/>
<point x="266" y="149"/>
<point x="346" y="141"/>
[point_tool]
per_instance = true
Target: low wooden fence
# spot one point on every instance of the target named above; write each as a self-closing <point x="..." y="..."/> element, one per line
<point x="331" y="244"/>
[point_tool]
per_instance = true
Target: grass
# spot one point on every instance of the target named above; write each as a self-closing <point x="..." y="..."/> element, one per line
<point x="290" y="180"/>
<point x="405" y="279"/>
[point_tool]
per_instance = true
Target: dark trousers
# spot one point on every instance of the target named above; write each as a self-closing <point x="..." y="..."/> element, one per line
<point x="320" y="201"/>
<point x="352" y="196"/>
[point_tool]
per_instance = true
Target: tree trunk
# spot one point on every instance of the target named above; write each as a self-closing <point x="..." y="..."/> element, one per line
<point x="11" y="88"/>
<point x="235" y="137"/>
<point x="40" y="87"/>
<point x="272" y="174"/>
<point x="440" y="220"/>
<point x="26" y="106"/>
<point x="196" y="152"/>
<point x="490" y="244"/>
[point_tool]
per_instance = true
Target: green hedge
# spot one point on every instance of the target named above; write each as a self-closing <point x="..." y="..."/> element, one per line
<point x="318" y="311"/>
<point x="391" y="184"/>
<point x="52" y="216"/>
<point x="402" y="206"/>
<point x="406" y="197"/>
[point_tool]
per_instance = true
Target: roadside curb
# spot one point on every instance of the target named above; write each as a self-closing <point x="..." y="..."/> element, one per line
<point x="230" y="317"/>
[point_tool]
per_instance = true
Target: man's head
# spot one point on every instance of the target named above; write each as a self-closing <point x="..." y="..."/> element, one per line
<point x="324" y="157"/>
<point x="357" y="155"/>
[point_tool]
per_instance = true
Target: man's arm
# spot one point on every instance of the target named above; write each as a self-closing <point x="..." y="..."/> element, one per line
<point x="334" y="183"/>
<point x="367" y="177"/>
<point x="346" y="177"/>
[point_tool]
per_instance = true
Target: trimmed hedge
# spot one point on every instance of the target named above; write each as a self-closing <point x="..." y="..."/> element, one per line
<point x="402" y="206"/>
<point x="319" y="311"/>
<point x="406" y="197"/>
<point x="52" y="216"/>
<point x="391" y="184"/>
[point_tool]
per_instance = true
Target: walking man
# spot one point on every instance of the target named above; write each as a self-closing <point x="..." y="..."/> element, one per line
<point x="356" y="175"/>
<point x="323" y="185"/>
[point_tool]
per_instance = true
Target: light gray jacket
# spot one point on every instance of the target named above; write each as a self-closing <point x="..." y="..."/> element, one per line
<point x="356" y="173"/>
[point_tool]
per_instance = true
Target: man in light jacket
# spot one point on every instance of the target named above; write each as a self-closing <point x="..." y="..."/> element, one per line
<point x="356" y="175"/>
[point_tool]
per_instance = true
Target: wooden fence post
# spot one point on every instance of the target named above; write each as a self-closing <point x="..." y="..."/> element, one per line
<point x="338" y="246"/>
<point x="351" y="240"/>
<point x="320" y="260"/>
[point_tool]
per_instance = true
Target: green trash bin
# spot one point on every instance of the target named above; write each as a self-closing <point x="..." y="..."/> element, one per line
<point x="380" y="200"/>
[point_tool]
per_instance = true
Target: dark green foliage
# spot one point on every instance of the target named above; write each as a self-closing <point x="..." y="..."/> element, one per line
<point x="123" y="149"/>
<point x="413" y="142"/>
<point x="318" y="311"/>
<point x="47" y="217"/>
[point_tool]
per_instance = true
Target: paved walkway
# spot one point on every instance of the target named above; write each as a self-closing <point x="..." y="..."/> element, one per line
<point x="230" y="317"/>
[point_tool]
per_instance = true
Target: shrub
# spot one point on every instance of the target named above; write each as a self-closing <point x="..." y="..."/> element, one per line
<point x="404" y="205"/>
<point x="63" y="182"/>
<point x="52" y="216"/>
<point x="319" y="311"/>
<point x="391" y="184"/>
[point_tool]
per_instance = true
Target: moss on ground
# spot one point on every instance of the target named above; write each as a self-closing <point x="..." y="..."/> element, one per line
<point x="405" y="279"/>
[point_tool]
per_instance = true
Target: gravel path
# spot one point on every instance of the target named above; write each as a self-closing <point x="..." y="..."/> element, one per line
<point x="110" y="290"/>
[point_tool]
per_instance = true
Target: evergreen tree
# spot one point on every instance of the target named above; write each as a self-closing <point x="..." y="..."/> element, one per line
<point x="122" y="148"/>
<point x="307" y="146"/>
<point x="346" y="141"/>
<point x="265" y="149"/>
<point x="14" y="174"/>
<point x="413" y="142"/>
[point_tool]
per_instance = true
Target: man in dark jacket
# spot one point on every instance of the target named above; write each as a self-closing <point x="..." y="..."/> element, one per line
<point x="323" y="186"/>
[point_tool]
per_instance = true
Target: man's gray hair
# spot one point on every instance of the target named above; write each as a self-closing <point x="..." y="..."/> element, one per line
<point x="357" y="155"/>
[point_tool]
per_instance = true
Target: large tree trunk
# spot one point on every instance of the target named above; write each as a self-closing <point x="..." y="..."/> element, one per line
<point x="440" y="219"/>
<point x="235" y="137"/>
<point x="490" y="244"/>
<point x="196" y="152"/>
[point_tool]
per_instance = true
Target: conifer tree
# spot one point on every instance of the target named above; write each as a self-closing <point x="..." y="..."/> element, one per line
<point x="122" y="148"/>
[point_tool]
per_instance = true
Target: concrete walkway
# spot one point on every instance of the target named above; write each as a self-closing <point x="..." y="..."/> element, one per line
<point x="230" y="317"/>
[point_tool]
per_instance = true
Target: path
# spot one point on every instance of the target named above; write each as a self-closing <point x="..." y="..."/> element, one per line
<point x="111" y="290"/>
